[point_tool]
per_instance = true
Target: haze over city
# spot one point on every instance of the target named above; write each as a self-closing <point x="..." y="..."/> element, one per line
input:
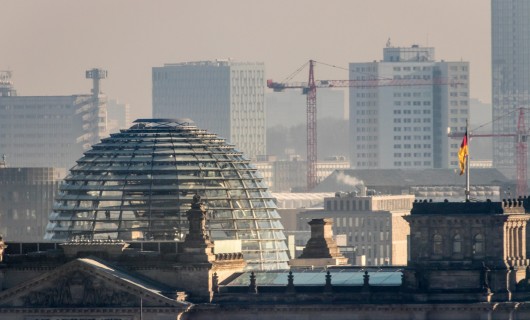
<point x="404" y="197"/>
<point x="49" y="44"/>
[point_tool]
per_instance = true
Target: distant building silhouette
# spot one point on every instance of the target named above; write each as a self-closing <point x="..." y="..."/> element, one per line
<point x="291" y="175"/>
<point x="118" y="115"/>
<point x="26" y="197"/>
<point x="510" y="30"/>
<point x="50" y="131"/>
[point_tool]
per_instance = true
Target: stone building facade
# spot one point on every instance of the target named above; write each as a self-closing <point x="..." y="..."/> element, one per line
<point x="475" y="250"/>
<point x="452" y="274"/>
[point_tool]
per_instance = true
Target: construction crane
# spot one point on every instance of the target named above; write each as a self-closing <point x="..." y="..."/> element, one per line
<point x="310" y="89"/>
<point x="521" y="150"/>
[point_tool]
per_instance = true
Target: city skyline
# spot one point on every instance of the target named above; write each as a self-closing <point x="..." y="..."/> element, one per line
<point x="52" y="43"/>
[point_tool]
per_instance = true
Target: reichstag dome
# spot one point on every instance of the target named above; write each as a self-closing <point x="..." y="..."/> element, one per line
<point x="139" y="183"/>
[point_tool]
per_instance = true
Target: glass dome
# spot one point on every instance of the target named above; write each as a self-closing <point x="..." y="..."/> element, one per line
<point x="139" y="183"/>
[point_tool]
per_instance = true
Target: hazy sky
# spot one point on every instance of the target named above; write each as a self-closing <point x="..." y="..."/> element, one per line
<point x="49" y="44"/>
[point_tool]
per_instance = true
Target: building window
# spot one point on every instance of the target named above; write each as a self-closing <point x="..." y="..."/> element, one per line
<point x="478" y="245"/>
<point x="437" y="244"/>
<point x="457" y="244"/>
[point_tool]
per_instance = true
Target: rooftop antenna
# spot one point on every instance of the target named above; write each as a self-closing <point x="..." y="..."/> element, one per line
<point x="98" y="104"/>
<point x="96" y="75"/>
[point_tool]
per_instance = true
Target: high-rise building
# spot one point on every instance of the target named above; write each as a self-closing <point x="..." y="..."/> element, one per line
<point x="50" y="131"/>
<point x="26" y="198"/>
<point x="402" y="121"/>
<point x="225" y="96"/>
<point x="510" y="42"/>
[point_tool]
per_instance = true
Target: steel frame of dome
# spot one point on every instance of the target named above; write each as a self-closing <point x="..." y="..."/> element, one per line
<point x="138" y="184"/>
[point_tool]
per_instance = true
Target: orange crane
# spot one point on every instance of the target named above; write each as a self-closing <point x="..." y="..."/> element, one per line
<point x="310" y="89"/>
<point x="521" y="151"/>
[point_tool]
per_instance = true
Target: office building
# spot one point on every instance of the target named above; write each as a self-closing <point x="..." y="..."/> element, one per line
<point x="373" y="224"/>
<point x="402" y="108"/>
<point x="225" y="96"/>
<point x="26" y="198"/>
<point x="510" y="32"/>
<point x="51" y="131"/>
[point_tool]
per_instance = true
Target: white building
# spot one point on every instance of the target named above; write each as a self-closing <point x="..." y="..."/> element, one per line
<point x="402" y="121"/>
<point x="226" y="97"/>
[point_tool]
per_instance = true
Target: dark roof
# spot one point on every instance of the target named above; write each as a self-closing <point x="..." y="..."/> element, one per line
<point x="373" y="178"/>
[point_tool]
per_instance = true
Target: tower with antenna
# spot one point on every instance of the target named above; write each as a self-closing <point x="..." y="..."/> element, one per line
<point x="96" y="75"/>
<point x="99" y="103"/>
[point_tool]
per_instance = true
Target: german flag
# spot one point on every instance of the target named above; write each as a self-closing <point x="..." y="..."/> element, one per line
<point x="462" y="154"/>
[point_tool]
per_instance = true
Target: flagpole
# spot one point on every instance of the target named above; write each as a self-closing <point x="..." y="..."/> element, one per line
<point x="467" y="161"/>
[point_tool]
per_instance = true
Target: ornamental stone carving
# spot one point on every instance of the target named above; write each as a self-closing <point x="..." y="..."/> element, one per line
<point x="80" y="290"/>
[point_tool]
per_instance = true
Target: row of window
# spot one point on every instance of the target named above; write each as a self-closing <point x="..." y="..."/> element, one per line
<point x="478" y="244"/>
<point x="364" y="146"/>
<point x="367" y="138"/>
<point x="366" y="112"/>
<point x="408" y="111"/>
<point x="414" y="76"/>
<point x="454" y="103"/>
<point x="409" y="146"/>
<point x="409" y="129"/>
<point x="410" y="155"/>
<point x="412" y="68"/>
<point x="412" y="103"/>
<point x="412" y="120"/>
<point x="456" y="94"/>
<point x="367" y="164"/>
<point x="416" y="137"/>
<point x="410" y="163"/>
<point x="412" y="94"/>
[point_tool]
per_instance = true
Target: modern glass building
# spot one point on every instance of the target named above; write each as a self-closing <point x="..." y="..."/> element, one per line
<point x="510" y="42"/>
<point x="139" y="183"/>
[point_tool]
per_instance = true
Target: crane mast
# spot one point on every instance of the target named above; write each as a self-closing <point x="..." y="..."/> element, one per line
<point x="311" y="129"/>
<point x="522" y="156"/>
